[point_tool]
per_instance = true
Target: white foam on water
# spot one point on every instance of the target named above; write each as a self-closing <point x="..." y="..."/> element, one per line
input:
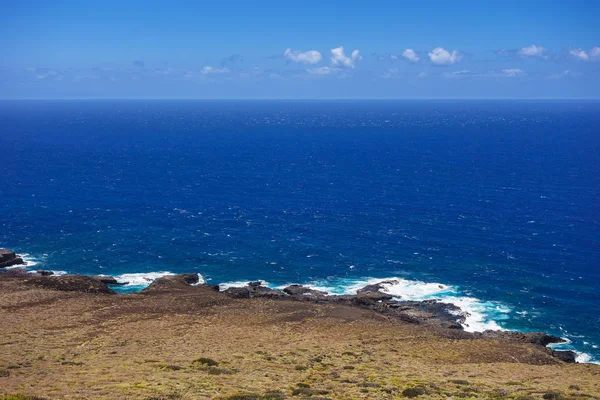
<point x="141" y="279"/>
<point x="137" y="281"/>
<point x="29" y="260"/>
<point x="14" y="266"/>
<point x="54" y="273"/>
<point x="227" y="285"/>
<point x="584" y="358"/>
<point x="479" y="315"/>
<point x="580" y="356"/>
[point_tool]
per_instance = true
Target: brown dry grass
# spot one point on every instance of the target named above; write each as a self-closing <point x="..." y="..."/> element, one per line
<point x="158" y="346"/>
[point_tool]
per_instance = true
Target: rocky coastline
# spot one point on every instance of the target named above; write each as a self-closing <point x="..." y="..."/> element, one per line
<point x="75" y="337"/>
<point x="447" y="318"/>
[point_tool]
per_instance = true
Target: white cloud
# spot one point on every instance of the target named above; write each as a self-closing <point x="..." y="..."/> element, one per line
<point x="212" y="70"/>
<point x="566" y="74"/>
<point x="457" y="74"/>
<point x="410" y="55"/>
<point x="339" y="58"/>
<point x="322" y="70"/>
<point x="579" y="54"/>
<point x="441" y="56"/>
<point x="533" y="51"/>
<point x="307" y="57"/>
<point x="513" y="72"/>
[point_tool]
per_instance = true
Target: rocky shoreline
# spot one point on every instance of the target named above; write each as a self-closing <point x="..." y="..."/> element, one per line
<point x="447" y="318"/>
<point x="8" y="258"/>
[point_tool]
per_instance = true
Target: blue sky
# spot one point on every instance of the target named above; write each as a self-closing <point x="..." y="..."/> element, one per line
<point x="284" y="49"/>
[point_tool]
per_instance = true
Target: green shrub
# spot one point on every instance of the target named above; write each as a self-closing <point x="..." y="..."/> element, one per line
<point x="219" y="371"/>
<point x="169" y="367"/>
<point x="270" y="395"/>
<point x="205" y="361"/>
<point x="552" y="395"/>
<point x="413" y="391"/>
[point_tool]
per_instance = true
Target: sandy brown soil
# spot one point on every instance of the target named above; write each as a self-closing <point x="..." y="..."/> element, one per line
<point x="200" y="344"/>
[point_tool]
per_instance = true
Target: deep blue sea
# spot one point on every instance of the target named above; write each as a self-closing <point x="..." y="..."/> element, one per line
<point x="492" y="205"/>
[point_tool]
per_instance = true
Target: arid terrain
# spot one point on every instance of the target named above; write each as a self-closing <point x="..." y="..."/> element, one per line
<point x="175" y="341"/>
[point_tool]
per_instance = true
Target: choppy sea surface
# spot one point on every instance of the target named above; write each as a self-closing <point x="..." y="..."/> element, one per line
<point x="491" y="205"/>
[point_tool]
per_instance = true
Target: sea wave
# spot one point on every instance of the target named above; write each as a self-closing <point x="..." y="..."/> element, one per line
<point x="241" y="283"/>
<point x="479" y="315"/>
<point x="141" y="280"/>
<point x="580" y="356"/>
<point x="29" y="260"/>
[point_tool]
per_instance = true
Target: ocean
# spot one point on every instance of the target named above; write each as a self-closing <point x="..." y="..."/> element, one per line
<point x="490" y="205"/>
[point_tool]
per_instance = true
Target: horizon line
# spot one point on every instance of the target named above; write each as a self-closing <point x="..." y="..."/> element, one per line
<point x="309" y="99"/>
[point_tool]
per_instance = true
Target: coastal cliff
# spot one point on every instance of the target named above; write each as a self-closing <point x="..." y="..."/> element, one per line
<point x="73" y="337"/>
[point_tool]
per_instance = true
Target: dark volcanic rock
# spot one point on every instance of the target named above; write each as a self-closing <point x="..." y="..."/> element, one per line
<point x="214" y="288"/>
<point x="374" y="293"/>
<point x="376" y="287"/>
<point x="254" y="289"/>
<point x="43" y="272"/>
<point x="263" y="291"/>
<point x="108" y="280"/>
<point x="69" y="283"/>
<point x="172" y="282"/>
<point x="9" y="258"/>
<point x="238" y="292"/>
<point x="14" y="273"/>
<point x="304" y="292"/>
<point x="452" y="325"/>
<point x="374" y="296"/>
<point x="446" y="312"/>
<point x="537" y="338"/>
<point x="567" y="356"/>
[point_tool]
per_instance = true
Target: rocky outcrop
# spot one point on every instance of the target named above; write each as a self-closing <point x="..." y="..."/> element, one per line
<point x="537" y="338"/>
<point x="374" y="296"/>
<point x="304" y="292"/>
<point x="9" y="258"/>
<point x="377" y="287"/>
<point x="214" y="288"/>
<point x="68" y="283"/>
<point x="370" y="297"/>
<point x="255" y="289"/>
<point x="263" y="291"/>
<point x="14" y="273"/>
<point x="108" y="280"/>
<point x="172" y="283"/>
<point x="23" y="273"/>
<point x="237" y="292"/>
<point x="567" y="356"/>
